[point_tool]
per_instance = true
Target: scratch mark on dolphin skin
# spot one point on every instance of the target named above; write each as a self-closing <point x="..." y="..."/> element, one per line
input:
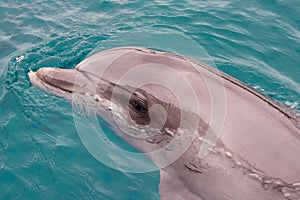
<point x="156" y="139"/>
<point x="291" y="191"/>
<point x="192" y="167"/>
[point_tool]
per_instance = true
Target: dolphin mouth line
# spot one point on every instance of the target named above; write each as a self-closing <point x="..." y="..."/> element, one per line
<point x="36" y="80"/>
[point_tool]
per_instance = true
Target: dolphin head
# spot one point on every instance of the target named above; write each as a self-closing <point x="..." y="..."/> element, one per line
<point x="135" y="88"/>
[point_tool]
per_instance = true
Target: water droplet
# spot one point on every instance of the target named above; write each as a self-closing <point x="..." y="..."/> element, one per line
<point x="286" y="194"/>
<point x="255" y="176"/>
<point x="296" y="184"/>
<point x="96" y="97"/>
<point x="278" y="183"/>
<point x="169" y="132"/>
<point x="238" y="163"/>
<point x="228" y="154"/>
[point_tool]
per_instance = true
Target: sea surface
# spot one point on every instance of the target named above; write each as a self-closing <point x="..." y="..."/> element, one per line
<point x="41" y="154"/>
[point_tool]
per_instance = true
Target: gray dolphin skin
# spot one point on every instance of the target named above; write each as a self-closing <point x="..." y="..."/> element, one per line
<point x="256" y="155"/>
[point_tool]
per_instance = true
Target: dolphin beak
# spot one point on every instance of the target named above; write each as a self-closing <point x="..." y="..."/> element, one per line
<point x="69" y="80"/>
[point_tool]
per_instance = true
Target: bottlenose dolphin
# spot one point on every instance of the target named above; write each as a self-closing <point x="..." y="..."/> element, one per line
<point x="254" y="156"/>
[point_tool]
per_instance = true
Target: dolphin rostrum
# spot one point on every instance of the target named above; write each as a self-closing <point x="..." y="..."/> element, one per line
<point x="243" y="145"/>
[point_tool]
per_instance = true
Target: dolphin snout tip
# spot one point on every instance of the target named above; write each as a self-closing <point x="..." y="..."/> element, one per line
<point x="36" y="77"/>
<point x="32" y="76"/>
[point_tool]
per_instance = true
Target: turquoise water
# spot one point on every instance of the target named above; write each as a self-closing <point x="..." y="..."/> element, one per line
<point x="41" y="155"/>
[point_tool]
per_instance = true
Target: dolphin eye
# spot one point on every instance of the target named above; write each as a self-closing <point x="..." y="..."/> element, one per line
<point x="138" y="104"/>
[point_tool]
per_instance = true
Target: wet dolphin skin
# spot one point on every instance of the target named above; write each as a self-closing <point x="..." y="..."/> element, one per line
<point x="254" y="155"/>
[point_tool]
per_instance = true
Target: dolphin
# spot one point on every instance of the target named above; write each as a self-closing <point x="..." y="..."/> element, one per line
<point x="252" y="154"/>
